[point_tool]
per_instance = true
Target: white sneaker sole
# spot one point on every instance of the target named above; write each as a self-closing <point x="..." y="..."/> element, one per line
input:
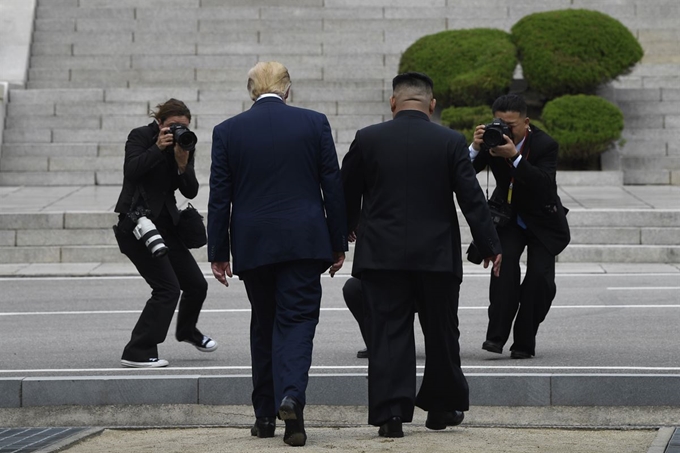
<point x="158" y="364"/>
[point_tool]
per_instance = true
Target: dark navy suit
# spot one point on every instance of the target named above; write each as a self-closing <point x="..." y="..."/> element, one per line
<point x="277" y="206"/>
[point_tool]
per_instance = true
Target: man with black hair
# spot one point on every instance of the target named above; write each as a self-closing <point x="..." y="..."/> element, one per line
<point x="399" y="178"/>
<point x="524" y="168"/>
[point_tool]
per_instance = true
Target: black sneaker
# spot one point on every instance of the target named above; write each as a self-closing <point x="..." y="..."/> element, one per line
<point x="153" y="362"/>
<point x="207" y="344"/>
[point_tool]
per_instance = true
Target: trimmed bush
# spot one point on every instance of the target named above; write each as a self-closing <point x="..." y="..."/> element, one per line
<point x="466" y="119"/>
<point x="573" y="51"/>
<point x="584" y="126"/>
<point x="468" y="67"/>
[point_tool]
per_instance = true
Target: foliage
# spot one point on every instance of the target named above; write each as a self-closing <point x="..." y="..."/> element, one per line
<point x="584" y="126"/>
<point x="573" y="51"/>
<point x="466" y="119"/>
<point x="468" y="67"/>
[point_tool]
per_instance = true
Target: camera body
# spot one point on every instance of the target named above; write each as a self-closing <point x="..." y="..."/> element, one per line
<point x="146" y="231"/>
<point x="182" y="136"/>
<point x="494" y="131"/>
<point x="501" y="214"/>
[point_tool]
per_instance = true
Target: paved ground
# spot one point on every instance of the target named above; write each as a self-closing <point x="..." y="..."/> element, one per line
<point x="365" y="440"/>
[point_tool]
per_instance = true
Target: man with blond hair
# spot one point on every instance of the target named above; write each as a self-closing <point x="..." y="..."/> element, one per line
<point x="277" y="207"/>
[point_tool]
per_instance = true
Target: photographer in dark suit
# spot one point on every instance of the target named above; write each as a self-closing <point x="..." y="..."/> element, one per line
<point x="276" y="206"/>
<point x="399" y="178"/>
<point x="524" y="167"/>
<point x="155" y="166"/>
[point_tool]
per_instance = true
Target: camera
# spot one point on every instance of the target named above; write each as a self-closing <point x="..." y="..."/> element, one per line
<point x="494" y="131"/>
<point x="182" y="136"/>
<point x="501" y="212"/>
<point x="146" y="232"/>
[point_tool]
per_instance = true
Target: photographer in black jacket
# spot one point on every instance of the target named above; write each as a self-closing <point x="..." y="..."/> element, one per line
<point x="524" y="167"/>
<point x="159" y="158"/>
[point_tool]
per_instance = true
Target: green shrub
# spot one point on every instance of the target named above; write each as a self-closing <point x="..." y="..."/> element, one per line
<point x="468" y="67"/>
<point x="573" y="51"/>
<point x="466" y="119"/>
<point x="584" y="126"/>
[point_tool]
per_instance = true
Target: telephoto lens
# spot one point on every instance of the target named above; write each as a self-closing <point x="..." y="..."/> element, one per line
<point x="146" y="232"/>
<point x="183" y="137"/>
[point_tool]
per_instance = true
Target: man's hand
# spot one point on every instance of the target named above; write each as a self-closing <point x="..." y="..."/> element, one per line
<point x="352" y="237"/>
<point x="505" y="151"/>
<point x="496" y="260"/>
<point x="477" y="139"/>
<point x="221" y="270"/>
<point x="339" y="258"/>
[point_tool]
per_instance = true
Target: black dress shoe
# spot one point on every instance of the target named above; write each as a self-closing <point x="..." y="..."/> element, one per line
<point x="441" y="419"/>
<point x="391" y="428"/>
<point x="520" y="355"/>
<point x="362" y="353"/>
<point x="492" y="346"/>
<point x="263" y="427"/>
<point x="290" y="412"/>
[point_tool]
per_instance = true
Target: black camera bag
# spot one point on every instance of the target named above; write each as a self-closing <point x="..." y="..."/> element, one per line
<point x="191" y="229"/>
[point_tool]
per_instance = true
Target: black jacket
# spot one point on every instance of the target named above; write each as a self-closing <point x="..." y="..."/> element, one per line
<point x="534" y="195"/>
<point x="405" y="172"/>
<point x="156" y="171"/>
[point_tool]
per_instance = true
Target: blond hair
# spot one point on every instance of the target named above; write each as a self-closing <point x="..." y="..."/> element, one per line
<point x="268" y="77"/>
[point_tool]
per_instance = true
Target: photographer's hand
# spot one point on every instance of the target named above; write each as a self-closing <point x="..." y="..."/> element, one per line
<point x="477" y="139"/>
<point x="164" y="139"/>
<point x="182" y="158"/>
<point x="496" y="260"/>
<point x="505" y="151"/>
<point x="221" y="270"/>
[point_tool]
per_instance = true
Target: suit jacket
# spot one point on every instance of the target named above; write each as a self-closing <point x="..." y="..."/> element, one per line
<point x="534" y="194"/>
<point x="156" y="171"/>
<point x="405" y="172"/>
<point x="275" y="188"/>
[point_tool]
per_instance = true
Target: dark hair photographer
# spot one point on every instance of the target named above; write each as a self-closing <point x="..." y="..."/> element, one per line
<point x="528" y="214"/>
<point x="159" y="159"/>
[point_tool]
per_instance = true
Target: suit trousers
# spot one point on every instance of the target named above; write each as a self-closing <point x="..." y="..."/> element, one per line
<point x="355" y="301"/>
<point x="169" y="276"/>
<point x="526" y="302"/>
<point x="391" y="297"/>
<point x="285" y="299"/>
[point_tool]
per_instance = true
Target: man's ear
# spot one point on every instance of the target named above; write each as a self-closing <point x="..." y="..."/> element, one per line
<point x="433" y="104"/>
<point x="285" y="96"/>
<point x="393" y="104"/>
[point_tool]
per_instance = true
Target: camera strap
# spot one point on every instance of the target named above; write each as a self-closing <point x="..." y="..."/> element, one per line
<point x="512" y="179"/>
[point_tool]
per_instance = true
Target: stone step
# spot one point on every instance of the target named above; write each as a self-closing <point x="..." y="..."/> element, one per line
<point x="575" y="253"/>
<point x="615" y="236"/>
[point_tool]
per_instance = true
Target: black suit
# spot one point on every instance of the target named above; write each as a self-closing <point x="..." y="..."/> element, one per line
<point x="405" y="172"/>
<point x="535" y="200"/>
<point x="156" y="171"/>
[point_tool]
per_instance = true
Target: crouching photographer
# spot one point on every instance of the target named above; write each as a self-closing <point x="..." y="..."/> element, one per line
<point x="159" y="159"/>
<point x="528" y="215"/>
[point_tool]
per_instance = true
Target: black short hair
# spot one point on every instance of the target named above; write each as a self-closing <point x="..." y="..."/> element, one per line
<point x="413" y="79"/>
<point x="510" y="103"/>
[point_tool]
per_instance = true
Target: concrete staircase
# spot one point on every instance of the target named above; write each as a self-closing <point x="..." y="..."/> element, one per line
<point x="98" y="66"/>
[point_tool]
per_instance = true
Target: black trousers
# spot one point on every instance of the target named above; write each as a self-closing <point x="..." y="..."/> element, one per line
<point x="285" y="300"/>
<point x="168" y="276"/>
<point x="526" y="302"/>
<point x="391" y="297"/>
<point x="355" y="301"/>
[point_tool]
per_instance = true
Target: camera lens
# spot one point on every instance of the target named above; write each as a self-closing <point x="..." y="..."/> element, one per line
<point x="185" y="139"/>
<point x="493" y="137"/>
